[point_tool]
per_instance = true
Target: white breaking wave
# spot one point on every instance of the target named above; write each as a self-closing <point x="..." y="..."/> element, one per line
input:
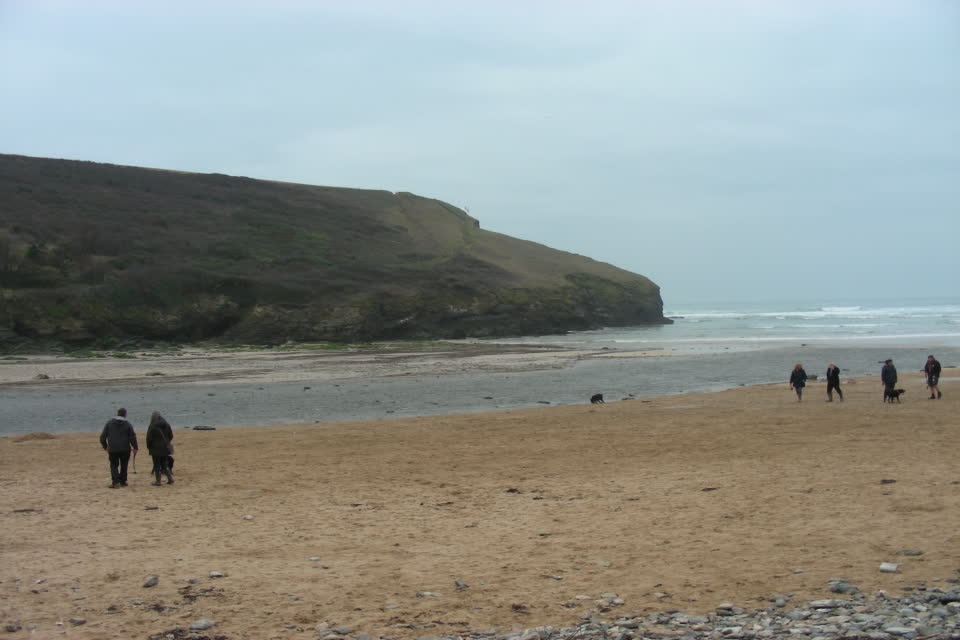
<point x="944" y="311"/>
<point x="791" y="338"/>
<point x="755" y="323"/>
<point x="851" y="325"/>
<point x="756" y="326"/>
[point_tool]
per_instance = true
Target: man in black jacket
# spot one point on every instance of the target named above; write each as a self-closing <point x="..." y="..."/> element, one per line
<point x="833" y="382"/>
<point x="932" y="370"/>
<point x="888" y="376"/>
<point x="117" y="439"/>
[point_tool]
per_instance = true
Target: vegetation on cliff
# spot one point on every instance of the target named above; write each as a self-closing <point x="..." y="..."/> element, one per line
<point x="94" y="253"/>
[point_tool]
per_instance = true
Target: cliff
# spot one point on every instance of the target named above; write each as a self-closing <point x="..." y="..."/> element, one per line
<point x="95" y="253"/>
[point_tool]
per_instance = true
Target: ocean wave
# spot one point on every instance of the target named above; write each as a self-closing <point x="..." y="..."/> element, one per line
<point x="844" y="325"/>
<point x="787" y="338"/>
<point x="947" y="312"/>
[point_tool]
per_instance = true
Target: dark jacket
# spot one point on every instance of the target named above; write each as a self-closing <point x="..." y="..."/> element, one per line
<point x="888" y="375"/>
<point x="118" y="436"/>
<point x="798" y="378"/>
<point x="932" y="369"/>
<point x="159" y="437"/>
<point x="833" y="375"/>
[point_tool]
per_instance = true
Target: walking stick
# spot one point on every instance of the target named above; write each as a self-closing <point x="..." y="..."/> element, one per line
<point x="134" y="460"/>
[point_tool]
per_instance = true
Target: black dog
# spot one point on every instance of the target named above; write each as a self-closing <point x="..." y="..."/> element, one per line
<point x="597" y="398"/>
<point x="889" y="395"/>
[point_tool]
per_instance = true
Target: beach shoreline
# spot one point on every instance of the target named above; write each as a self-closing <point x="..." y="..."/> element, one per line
<point x="676" y="502"/>
<point x="218" y="387"/>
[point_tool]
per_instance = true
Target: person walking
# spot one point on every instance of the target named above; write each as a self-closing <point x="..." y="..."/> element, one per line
<point x="833" y="382"/>
<point x="118" y="438"/>
<point x="932" y="371"/>
<point x="160" y="446"/>
<point x="888" y="376"/>
<point x="167" y="431"/>
<point x="798" y="380"/>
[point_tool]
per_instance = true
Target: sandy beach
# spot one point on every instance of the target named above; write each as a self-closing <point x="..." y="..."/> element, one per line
<point x="678" y="502"/>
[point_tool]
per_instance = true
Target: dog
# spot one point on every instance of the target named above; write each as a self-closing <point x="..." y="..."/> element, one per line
<point x="889" y="395"/>
<point x="597" y="398"/>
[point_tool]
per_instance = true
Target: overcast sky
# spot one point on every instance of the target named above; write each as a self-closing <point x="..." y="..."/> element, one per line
<point x="727" y="150"/>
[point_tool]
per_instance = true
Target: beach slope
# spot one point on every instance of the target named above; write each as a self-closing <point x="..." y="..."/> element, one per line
<point x="506" y="520"/>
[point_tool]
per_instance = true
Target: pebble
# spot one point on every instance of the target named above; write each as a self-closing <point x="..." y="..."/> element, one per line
<point x="76" y="622"/>
<point x="151" y="581"/>
<point x="201" y="625"/>
<point x="248" y="517"/>
<point x="924" y="613"/>
<point x="842" y="585"/>
<point x="216" y="574"/>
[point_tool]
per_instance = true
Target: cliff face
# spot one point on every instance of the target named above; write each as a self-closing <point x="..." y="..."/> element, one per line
<point x="93" y="253"/>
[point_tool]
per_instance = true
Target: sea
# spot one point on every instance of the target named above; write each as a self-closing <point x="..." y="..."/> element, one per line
<point x="708" y="347"/>
<point x="705" y="327"/>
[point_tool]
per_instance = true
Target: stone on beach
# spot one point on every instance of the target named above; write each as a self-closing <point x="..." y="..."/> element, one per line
<point x="202" y="624"/>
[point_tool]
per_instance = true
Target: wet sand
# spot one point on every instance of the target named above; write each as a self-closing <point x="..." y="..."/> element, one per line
<point x="302" y="385"/>
<point x="677" y="502"/>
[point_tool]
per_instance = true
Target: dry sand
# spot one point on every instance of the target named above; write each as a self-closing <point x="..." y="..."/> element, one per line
<point x="675" y="503"/>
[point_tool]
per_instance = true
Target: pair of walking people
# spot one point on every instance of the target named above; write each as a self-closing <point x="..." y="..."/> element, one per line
<point x="119" y="440"/>
<point x="798" y="380"/>
<point x="931" y="371"/>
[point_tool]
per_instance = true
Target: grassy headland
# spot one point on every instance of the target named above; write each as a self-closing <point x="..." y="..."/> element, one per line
<point x="97" y="254"/>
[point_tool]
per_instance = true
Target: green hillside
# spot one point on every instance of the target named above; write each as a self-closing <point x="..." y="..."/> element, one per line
<point x="92" y="253"/>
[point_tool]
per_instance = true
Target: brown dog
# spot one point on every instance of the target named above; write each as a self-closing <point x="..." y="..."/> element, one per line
<point x="889" y="395"/>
